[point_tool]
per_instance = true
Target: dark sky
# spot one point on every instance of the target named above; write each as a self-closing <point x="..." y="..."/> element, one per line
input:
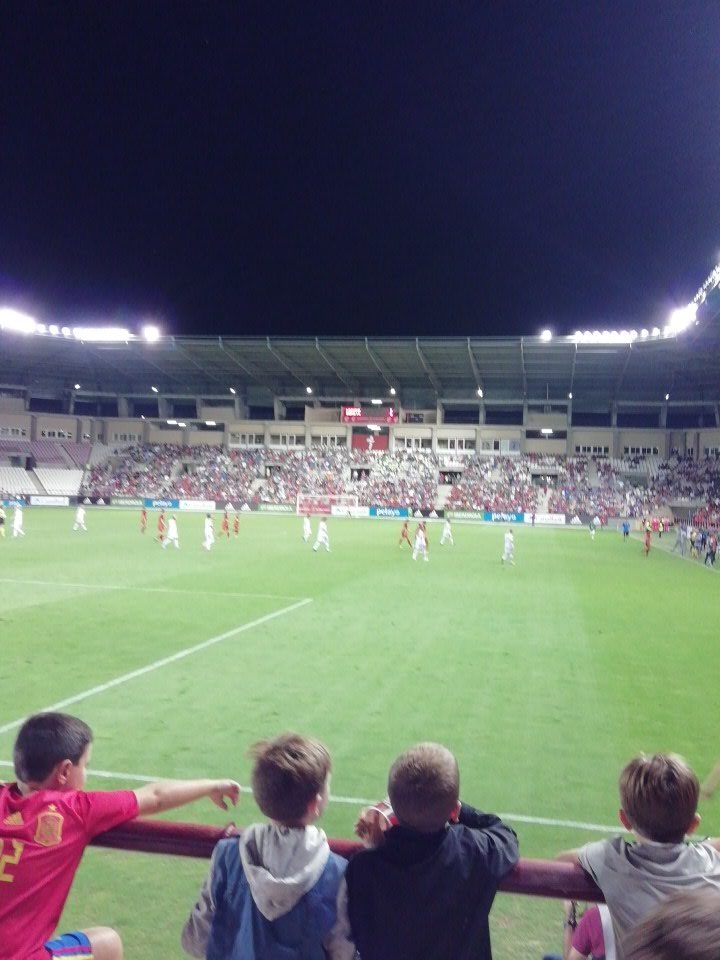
<point x="359" y="168"/>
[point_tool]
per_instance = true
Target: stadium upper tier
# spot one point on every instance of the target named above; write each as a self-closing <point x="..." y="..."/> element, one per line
<point x="420" y="371"/>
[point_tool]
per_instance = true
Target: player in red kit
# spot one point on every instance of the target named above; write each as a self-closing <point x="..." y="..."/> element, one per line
<point x="46" y="821"/>
<point x="160" y="527"/>
<point x="404" y="535"/>
<point x="236" y="525"/>
<point x="225" y="525"/>
<point x="143" y="520"/>
<point x="647" y="539"/>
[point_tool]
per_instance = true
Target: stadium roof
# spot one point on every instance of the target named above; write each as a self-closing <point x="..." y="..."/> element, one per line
<point x="422" y="370"/>
<point x="505" y="369"/>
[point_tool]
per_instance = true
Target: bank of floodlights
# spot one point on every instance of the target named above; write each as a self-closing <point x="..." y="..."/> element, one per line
<point x="14" y="321"/>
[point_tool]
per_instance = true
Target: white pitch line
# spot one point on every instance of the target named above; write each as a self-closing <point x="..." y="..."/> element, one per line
<point x="114" y="586"/>
<point x="163" y="662"/>
<point x="365" y="802"/>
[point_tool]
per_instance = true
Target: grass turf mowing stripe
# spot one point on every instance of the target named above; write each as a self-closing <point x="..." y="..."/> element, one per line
<point x="163" y="662"/>
<point x="364" y="802"/>
<point x="113" y="586"/>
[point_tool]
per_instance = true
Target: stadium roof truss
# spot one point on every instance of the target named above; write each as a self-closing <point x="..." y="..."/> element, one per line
<point x="428" y="369"/>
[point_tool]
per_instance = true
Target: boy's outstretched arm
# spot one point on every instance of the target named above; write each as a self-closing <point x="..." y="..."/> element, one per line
<point x="168" y="794"/>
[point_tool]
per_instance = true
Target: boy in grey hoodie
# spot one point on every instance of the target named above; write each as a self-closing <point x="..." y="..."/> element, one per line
<point x="271" y="894"/>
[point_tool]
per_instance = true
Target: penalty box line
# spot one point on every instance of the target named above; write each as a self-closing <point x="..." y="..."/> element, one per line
<point x="163" y="662"/>
<point x="365" y="802"/>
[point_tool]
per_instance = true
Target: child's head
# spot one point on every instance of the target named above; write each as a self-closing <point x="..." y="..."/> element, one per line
<point x="424" y="787"/>
<point x="52" y="749"/>
<point x="685" y="927"/>
<point x="659" y="797"/>
<point x="290" y="778"/>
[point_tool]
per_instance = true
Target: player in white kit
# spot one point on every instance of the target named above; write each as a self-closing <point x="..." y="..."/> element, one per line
<point x="209" y="532"/>
<point x="18" y="522"/>
<point x="80" y="519"/>
<point x="172" y="534"/>
<point x="447" y="536"/>
<point x="509" y="552"/>
<point x="322" y="536"/>
<point x="420" y="545"/>
<point x="307" y="529"/>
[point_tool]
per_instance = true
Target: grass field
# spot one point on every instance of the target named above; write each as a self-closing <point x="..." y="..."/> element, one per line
<point x="542" y="678"/>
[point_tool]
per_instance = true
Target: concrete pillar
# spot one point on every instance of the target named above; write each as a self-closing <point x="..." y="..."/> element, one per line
<point x="123" y="407"/>
<point x="525" y="413"/>
<point x="278" y="409"/>
<point x="717" y="414"/>
<point x="662" y="418"/>
<point x="613" y="415"/>
<point x="163" y="408"/>
<point x="481" y="412"/>
<point x="439" y="418"/>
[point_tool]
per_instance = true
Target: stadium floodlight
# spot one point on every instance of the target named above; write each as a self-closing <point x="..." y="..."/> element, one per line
<point x="392" y="391"/>
<point x="374" y="427"/>
<point x="546" y="335"/>
<point x="142" y="416"/>
<point x="172" y="423"/>
<point x="308" y="390"/>
<point x="656" y="331"/>
<point x="376" y="401"/>
<point x="66" y="331"/>
<point x="154" y="389"/>
<point x="644" y="334"/>
<point x="210" y="423"/>
<point x="667" y="396"/>
<point x="54" y="329"/>
<point x="682" y="318"/>
<point x="101" y="334"/>
<point x="40" y="328"/>
<point x="77" y="386"/>
<point x="16" y="322"/>
<point x="570" y="395"/>
<point x="233" y="391"/>
<point x="480" y="392"/>
<point x="150" y="332"/>
<point x="181" y="424"/>
<point x="546" y="430"/>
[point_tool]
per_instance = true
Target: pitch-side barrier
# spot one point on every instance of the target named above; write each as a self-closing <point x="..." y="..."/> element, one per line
<point x="536" y="878"/>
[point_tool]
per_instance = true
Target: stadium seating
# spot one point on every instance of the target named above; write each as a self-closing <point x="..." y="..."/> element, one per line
<point x="59" y="482"/>
<point x="14" y="481"/>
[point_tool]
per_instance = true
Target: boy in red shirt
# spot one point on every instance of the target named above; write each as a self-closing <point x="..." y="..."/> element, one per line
<point x="46" y="821"/>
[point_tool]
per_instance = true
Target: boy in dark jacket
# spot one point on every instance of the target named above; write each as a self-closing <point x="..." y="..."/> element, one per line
<point x="426" y="887"/>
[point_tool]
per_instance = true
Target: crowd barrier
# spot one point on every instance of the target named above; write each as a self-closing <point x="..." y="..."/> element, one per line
<point x="537" y="878"/>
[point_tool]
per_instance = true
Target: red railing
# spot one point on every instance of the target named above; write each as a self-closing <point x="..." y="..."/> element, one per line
<point x="539" y="878"/>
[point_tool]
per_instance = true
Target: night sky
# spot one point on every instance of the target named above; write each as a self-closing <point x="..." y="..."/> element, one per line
<point x="359" y="168"/>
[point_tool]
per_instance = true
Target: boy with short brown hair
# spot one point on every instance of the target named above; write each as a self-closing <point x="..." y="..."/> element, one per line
<point x="658" y="805"/>
<point x="274" y="889"/>
<point x="427" y="886"/>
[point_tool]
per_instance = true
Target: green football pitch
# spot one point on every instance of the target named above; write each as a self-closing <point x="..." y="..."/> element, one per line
<point x="543" y="678"/>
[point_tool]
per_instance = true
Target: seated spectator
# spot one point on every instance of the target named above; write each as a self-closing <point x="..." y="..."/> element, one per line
<point x="658" y="797"/>
<point x="590" y="938"/>
<point x="46" y="821"/>
<point x="426" y="886"/>
<point x="272" y="893"/>
<point x="685" y="927"/>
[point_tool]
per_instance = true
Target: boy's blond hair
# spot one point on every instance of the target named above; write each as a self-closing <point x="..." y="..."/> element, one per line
<point x="424" y="787"/>
<point x="659" y="795"/>
<point x="288" y="773"/>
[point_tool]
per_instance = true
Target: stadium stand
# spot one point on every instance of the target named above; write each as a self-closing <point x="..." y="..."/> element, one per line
<point x="16" y="482"/>
<point x="60" y="482"/>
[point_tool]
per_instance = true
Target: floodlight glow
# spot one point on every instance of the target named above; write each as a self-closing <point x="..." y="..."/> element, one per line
<point x="210" y="423"/>
<point x="66" y="331"/>
<point x="682" y="318"/>
<point x="546" y="335"/>
<point x="15" y="321"/>
<point x="375" y="402"/>
<point x="54" y="329"/>
<point x="570" y="396"/>
<point x="546" y="430"/>
<point x="101" y="334"/>
<point x="480" y="392"/>
<point x="308" y="390"/>
<point x="172" y="423"/>
<point x="154" y="389"/>
<point x="181" y="424"/>
<point x="151" y="333"/>
<point x="656" y="331"/>
<point x="667" y="396"/>
<point x="392" y="391"/>
<point x="232" y="390"/>
<point x="40" y="328"/>
<point x="142" y="416"/>
<point x="644" y="334"/>
<point x="373" y="426"/>
<point x="77" y="386"/>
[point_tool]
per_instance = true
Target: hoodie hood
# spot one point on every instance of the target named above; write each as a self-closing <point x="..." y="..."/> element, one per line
<point x="281" y="864"/>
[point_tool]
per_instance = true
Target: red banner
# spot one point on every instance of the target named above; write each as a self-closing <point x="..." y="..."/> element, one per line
<point x="370" y="441"/>
<point x="368" y="415"/>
